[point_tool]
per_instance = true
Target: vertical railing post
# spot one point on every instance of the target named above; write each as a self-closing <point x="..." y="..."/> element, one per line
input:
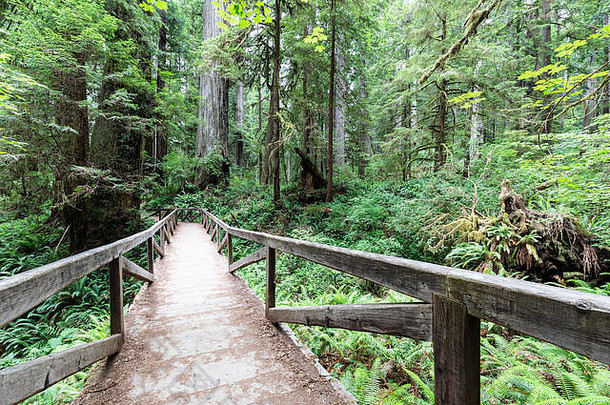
<point x="229" y="249"/>
<point x="150" y="252"/>
<point x="456" y="342"/>
<point x="161" y="239"/>
<point x="270" y="290"/>
<point x="117" y="325"/>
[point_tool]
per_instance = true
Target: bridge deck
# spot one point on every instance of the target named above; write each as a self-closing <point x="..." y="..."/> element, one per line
<point x="197" y="335"/>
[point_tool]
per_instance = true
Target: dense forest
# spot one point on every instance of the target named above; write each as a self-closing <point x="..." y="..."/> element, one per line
<point x="471" y="133"/>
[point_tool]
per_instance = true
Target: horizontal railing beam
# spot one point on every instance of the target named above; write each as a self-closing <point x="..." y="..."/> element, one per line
<point x="22" y="292"/>
<point x="26" y="379"/>
<point x="574" y="320"/>
<point x="409" y="320"/>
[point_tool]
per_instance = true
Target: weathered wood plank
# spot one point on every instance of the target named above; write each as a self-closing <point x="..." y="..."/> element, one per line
<point x="24" y="380"/>
<point x="409" y="320"/>
<point x="270" y="287"/>
<point x="219" y="238"/>
<point x="115" y="277"/>
<point x="167" y="236"/>
<point x="255" y="257"/>
<point x="150" y="253"/>
<point x="22" y="292"/>
<point x="158" y="248"/>
<point x="571" y="319"/>
<point x="456" y="345"/>
<point x="229" y="249"/>
<point x="218" y="221"/>
<point x="223" y="243"/>
<point x="210" y="227"/>
<point x="136" y="271"/>
<point x="574" y="320"/>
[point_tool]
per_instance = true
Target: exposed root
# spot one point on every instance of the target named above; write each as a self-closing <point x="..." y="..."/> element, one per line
<point x="520" y="239"/>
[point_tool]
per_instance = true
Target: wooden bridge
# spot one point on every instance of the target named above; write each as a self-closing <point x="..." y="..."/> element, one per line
<point x="197" y="335"/>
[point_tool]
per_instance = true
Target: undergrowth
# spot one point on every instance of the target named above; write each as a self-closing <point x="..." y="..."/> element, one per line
<point x="77" y="314"/>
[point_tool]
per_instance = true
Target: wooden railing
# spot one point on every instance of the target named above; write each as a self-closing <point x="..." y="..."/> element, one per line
<point x="454" y="302"/>
<point x="22" y="292"/>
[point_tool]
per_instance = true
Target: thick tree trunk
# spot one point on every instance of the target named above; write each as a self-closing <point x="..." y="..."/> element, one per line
<point x="159" y="143"/>
<point x="476" y="130"/>
<point x="331" y="102"/>
<point x="308" y="114"/>
<point x="365" y="144"/>
<point x="239" y="121"/>
<point x="266" y="165"/>
<point x="213" y="126"/>
<point x="273" y="124"/>
<point x="72" y="113"/>
<point x="341" y="90"/>
<point x="73" y="85"/>
<point x="441" y="114"/>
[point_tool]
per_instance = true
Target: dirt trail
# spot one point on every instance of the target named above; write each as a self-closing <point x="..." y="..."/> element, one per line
<point x="198" y="335"/>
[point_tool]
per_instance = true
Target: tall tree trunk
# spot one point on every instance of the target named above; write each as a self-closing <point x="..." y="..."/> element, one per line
<point x="589" y="105"/>
<point x="73" y="85"/>
<point x="476" y="129"/>
<point x="545" y="56"/>
<point x="308" y="114"/>
<point x="213" y="126"/>
<point x="331" y="101"/>
<point x="260" y="128"/>
<point x="441" y="134"/>
<point x="267" y="166"/>
<point x="239" y="121"/>
<point x="364" y="144"/>
<point x="160" y="141"/>
<point x="341" y="90"/>
<point x="606" y="93"/>
<point x="72" y="112"/>
<point x="441" y="114"/>
<point x="273" y="126"/>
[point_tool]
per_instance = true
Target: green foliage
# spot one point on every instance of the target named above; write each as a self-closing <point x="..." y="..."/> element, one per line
<point x="151" y="5"/>
<point x="565" y="88"/>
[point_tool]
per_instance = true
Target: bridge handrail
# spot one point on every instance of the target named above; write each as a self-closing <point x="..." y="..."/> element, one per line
<point x="22" y="292"/>
<point x="457" y="300"/>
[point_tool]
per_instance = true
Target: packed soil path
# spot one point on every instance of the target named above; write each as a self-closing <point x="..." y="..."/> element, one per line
<point x="198" y="335"/>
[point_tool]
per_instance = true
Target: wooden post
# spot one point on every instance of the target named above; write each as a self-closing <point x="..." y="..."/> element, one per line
<point x="161" y="238"/>
<point x="202" y="216"/>
<point x="116" y="297"/>
<point x="456" y="342"/>
<point x="150" y="251"/>
<point x="229" y="249"/>
<point x="270" y="295"/>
